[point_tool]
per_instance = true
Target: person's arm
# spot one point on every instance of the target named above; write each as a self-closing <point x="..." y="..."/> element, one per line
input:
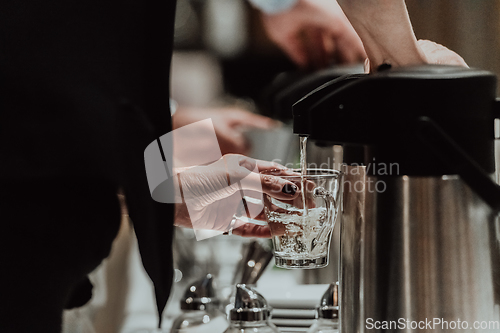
<point x="313" y="33"/>
<point x="384" y="27"/>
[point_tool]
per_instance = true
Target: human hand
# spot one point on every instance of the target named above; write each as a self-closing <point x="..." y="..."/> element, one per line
<point x="384" y="27"/>
<point x="229" y="124"/>
<point x="273" y="206"/>
<point x="213" y="194"/>
<point x="315" y="32"/>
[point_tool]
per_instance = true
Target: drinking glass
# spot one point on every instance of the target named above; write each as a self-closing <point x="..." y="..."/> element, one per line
<point x="301" y="229"/>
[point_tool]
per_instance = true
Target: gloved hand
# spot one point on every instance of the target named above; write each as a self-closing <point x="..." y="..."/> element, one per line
<point x="213" y="194"/>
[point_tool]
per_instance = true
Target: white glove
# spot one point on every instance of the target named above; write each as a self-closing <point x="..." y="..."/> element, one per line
<point x="213" y="194"/>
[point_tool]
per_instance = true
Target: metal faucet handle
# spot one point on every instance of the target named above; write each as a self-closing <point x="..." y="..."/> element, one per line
<point x="329" y="304"/>
<point x="249" y="305"/>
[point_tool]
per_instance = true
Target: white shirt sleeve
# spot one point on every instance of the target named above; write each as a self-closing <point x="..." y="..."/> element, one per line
<point x="273" y="6"/>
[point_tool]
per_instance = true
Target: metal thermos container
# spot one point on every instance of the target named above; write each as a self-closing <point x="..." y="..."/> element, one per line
<point x="351" y="226"/>
<point x="420" y="242"/>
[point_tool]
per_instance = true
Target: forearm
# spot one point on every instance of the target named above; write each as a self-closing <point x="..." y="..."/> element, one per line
<point x="385" y="29"/>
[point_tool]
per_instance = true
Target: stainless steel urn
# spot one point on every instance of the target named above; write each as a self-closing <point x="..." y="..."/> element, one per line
<point x="420" y="238"/>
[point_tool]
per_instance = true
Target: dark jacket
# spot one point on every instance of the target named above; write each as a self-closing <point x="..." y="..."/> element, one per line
<point x="84" y="89"/>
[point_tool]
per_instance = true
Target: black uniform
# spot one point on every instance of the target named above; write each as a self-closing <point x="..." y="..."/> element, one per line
<point x="84" y="89"/>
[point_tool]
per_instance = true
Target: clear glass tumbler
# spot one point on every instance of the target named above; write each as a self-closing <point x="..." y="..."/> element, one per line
<point x="301" y="232"/>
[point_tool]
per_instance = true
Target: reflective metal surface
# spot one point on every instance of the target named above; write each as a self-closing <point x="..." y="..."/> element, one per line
<point x="430" y="251"/>
<point x="249" y="305"/>
<point x="351" y="227"/>
<point x="329" y="304"/>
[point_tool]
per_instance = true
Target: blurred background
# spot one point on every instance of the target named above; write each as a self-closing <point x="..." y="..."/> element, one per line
<point x="227" y="45"/>
<point x="470" y="28"/>
<point x="224" y="58"/>
<point x="230" y="33"/>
